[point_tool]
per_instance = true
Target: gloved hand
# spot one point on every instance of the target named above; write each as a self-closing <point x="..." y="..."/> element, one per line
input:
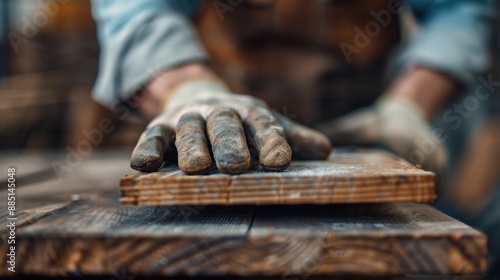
<point x="395" y="123"/>
<point x="202" y="117"/>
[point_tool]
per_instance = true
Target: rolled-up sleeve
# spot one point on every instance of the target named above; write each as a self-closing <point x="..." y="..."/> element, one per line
<point x="139" y="39"/>
<point x="454" y="38"/>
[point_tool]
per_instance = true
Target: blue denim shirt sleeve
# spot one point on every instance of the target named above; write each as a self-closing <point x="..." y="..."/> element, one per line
<point x="454" y="38"/>
<point x="139" y="39"/>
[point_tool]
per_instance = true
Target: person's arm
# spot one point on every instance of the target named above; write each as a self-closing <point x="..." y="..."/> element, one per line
<point x="148" y="47"/>
<point x="139" y="40"/>
<point x="449" y="52"/>
<point x="427" y="88"/>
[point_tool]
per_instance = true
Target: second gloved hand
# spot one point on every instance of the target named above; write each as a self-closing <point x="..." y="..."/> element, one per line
<point x="395" y="123"/>
<point x="202" y="118"/>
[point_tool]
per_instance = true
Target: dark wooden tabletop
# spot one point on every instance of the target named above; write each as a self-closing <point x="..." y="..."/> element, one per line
<point x="74" y="225"/>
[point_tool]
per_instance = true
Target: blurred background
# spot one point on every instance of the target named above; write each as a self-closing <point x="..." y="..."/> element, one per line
<point x="49" y="63"/>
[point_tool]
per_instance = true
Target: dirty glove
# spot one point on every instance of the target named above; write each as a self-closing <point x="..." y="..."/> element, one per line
<point x="394" y="123"/>
<point x="202" y="118"/>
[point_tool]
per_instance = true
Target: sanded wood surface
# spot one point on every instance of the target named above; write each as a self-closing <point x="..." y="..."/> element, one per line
<point x="347" y="177"/>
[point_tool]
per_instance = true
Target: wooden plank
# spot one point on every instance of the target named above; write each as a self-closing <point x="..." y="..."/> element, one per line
<point x="347" y="177"/>
<point x="376" y="240"/>
<point x="99" y="237"/>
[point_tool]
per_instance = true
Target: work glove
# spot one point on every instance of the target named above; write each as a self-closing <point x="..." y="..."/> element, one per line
<point x="394" y="123"/>
<point x="202" y="118"/>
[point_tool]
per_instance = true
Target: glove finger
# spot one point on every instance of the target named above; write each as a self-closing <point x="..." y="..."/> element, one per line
<point x="192" y="145"/>
<point x="154" y="143"/>
<point x="227" y="137"/>
<point x="269" y="139"/>
<point x="357" y="128"/>
<point x="306" y="143"/>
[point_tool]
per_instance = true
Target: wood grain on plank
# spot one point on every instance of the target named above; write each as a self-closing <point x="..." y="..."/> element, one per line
<point x="347" y="177"/>
<point x="289" y="240"/>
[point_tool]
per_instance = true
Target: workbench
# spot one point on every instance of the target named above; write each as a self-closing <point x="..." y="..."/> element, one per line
<point x="75" y="225"/>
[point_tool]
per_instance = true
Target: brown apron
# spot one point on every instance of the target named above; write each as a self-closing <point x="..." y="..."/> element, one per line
<point x="288" y="52"/>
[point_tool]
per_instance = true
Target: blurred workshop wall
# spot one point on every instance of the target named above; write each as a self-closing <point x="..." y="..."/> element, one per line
<point x="50" y="52"/>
